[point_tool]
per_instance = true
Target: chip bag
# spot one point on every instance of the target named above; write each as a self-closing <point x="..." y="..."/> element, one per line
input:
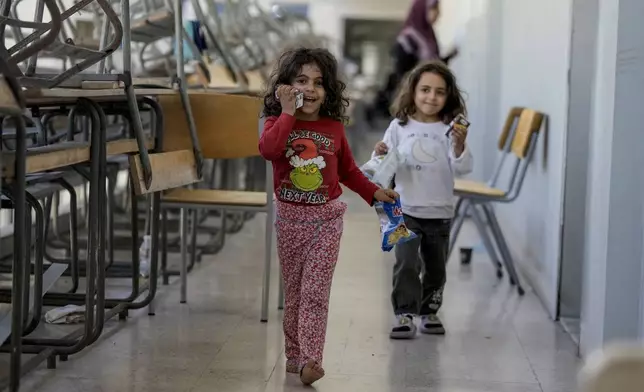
<point x="393" y="229"/>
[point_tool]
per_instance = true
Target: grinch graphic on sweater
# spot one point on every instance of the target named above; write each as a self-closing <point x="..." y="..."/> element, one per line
<point x="306" y="175"/>
<point x="303" y="152"/>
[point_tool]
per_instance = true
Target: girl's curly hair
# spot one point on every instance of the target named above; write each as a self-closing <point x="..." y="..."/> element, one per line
<point x="288" y="68"/>
<point x="404" y="106"/>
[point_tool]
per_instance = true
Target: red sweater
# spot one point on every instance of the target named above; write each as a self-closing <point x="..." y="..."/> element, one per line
<point x="310" y="160"/>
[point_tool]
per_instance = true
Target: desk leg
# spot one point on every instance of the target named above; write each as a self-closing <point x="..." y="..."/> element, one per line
<point x="19" y="261"/>
<point x="184" y="254"/>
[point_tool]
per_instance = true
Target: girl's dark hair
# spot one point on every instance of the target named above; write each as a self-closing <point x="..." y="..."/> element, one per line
<point x="404" y="107"/>
<point x="289" y="67"/>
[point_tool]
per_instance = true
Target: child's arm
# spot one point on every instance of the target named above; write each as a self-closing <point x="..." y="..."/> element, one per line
<point x="351" y="176"/>
<point x="275" y="135"/>
<point x="462" y="164"/>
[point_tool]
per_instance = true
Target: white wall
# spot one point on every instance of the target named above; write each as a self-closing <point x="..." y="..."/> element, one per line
<point x="535" y="63"/>
<point x="474" y="27"/>
<point x="512" y="58"/>
<point x="614" y="288"/>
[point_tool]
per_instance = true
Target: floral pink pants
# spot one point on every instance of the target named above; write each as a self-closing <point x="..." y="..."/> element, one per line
<point x="308" y="243"/>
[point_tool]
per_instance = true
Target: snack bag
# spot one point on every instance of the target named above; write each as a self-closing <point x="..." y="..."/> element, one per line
<point x="369" y="168"/>
<point x="381" y="169"/>
<point x="392" y="225"/>
<point x="458" y="122"/>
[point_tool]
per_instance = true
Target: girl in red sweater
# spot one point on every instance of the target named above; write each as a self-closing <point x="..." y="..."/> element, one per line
<point x="310" y="154"/>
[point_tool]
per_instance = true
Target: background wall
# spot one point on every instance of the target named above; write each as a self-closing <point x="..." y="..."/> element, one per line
<point x="512" y="58"/>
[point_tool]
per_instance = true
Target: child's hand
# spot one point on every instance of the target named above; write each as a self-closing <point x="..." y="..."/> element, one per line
<point x="286" y="95"/>
<point x="386" y="195"/>
<point x="459" y="134"/>
<point x="381" y="148"/>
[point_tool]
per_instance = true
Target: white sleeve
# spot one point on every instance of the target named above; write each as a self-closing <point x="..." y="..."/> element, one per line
<point x="390" y="136"/>
<point x="462" y="165"/>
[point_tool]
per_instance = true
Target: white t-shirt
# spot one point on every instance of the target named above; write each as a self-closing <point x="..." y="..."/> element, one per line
<point x="425" y="176"/>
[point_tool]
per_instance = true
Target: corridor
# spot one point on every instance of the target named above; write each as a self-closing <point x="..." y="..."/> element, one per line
<point x="495" y="342"/>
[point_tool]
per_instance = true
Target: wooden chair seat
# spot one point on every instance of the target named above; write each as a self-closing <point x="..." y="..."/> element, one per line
<point x="171" y="169"/>
<point x="215" y="197"/>
<point x="40" y="159"/>
<point x="470" y="187"/>
<point x="57" y="156"/>
<point x="97" y="91"/>
<point x="126" y="146"/>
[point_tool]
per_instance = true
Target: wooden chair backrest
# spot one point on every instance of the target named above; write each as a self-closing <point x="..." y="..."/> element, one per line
<point x="530" y="123"/>
<point x="513" y="116"/>
<point x="227" y="125"/>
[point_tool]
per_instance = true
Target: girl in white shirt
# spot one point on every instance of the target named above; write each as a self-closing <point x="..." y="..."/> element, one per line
<point x="430" y="156"/>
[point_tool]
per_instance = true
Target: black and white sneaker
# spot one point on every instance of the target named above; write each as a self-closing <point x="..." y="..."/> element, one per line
<point x="404" y="327"/>
<point x="431" y="325"/>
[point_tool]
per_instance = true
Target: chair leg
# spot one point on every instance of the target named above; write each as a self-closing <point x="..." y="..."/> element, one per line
<point x="268" y="251"/>
<point x="458" y="206"/>
<point x="487" y="241"/>
<point x="184" y="254"/>
<point x="461" y="212"/>
<point x="155" y="224"/>
<point x="503" y="247"/>
<point x="164" y="247"/>
<point x="194" y="224"/>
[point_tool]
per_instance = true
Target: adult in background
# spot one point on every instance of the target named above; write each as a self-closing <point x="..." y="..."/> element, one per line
<point x="415" y="43"/>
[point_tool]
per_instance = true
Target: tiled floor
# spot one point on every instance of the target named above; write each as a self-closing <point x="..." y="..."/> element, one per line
<point x="496" y="341"/>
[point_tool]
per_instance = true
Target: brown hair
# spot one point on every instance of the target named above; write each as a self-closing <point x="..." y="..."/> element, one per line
<point x="404" y="107"/>
<point x="290" y="65"/>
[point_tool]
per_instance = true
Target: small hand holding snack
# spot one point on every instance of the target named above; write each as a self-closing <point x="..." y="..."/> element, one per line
<point x="458" y="133"/>
<point x="381" y="148"/>
<point x="386" y="195"/>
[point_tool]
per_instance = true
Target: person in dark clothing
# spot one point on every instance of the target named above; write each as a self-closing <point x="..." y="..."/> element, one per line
<point x="415" y="43"/>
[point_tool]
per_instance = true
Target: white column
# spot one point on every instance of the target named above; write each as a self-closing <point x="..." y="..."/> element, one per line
<point x="614" y="262"/>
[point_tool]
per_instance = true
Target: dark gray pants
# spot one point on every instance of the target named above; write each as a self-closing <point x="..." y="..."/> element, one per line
<point x="426" y="254"/>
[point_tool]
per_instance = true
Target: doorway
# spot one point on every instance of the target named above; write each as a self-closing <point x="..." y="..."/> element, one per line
<point x="368" y="44"/>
